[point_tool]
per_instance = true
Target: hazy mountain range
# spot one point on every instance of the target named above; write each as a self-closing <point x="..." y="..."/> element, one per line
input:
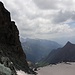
<point x="64" y="54"/>
<point x="36" y="49"/>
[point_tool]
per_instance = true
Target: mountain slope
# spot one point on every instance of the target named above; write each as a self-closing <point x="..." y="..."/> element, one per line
<point x="10" y="45"/>
<point x="37" y="49"/>
<point x="64" y="54"/>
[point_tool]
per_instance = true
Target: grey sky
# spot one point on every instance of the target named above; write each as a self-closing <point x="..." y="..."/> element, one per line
<point x="44" y="19"/>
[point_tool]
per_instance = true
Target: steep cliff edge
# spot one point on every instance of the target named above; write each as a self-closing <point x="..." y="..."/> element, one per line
<point x="10" y="45"/>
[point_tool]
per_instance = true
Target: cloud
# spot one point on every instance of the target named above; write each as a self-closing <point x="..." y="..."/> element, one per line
<point x="45" y="19"/>
<point x="47" y="4"/>
<point x="63" y="16"/>
<point x="54" y="4"/>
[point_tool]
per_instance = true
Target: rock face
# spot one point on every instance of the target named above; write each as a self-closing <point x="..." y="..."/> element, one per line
<point x="10" y="45"/>
<point x="64" y="54"/>
<point x="7" y="67"/>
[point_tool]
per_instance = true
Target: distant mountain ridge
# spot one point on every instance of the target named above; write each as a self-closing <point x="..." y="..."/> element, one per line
<point x="36" y="49"/>
<point x="64" y="54"/>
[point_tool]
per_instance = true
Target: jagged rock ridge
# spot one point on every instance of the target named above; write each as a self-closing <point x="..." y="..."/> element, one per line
<point x="10" y="45"/>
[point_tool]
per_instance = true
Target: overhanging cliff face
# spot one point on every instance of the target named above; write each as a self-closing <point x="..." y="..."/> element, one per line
<point x="10" y="45"/>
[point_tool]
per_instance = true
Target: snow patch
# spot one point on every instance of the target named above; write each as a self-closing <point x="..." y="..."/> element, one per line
<point x="21" y="73"/>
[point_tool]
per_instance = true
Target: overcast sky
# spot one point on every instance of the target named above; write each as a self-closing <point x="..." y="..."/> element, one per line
<point x="44" y="19"/>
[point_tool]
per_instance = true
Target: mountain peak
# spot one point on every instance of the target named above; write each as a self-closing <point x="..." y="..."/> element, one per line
<point x="68" y="43"/>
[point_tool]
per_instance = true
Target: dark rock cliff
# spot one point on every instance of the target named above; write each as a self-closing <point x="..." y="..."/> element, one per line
<point x="10" y="45"/>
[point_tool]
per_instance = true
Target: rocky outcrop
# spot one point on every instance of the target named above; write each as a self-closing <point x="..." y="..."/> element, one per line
<point x="7" y="65"/>
<point x="10" y="45"/>
<point x="5" y="70"/>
